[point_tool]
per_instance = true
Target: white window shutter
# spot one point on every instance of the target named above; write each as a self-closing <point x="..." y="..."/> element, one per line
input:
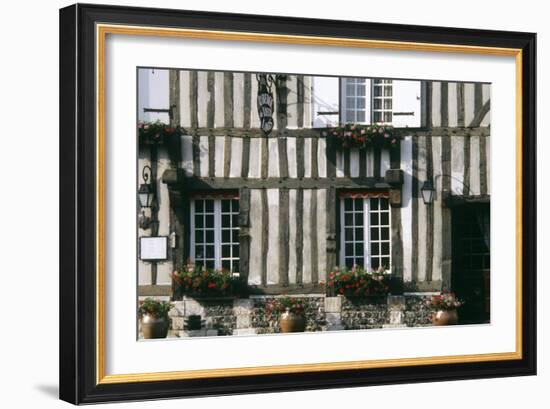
<point x="153" y="93"/>
<point x="406" y="104"/>
<point x="325" y="101"/>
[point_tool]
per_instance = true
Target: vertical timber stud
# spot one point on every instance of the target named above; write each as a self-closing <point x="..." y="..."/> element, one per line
<point x="300" y="101"/>
<point x="396" y="230"/>
<point x="414" y="210"/>
<point x="177" y="228"/>
<point x="460" y="104"/>
<point x="193" y="110"/>
<point x="247" y="100"/>
<point x="284" y="236"/>
<point x="299" y="235"/>
<point x="444" y="104"/>
<point x="210" y="115"/>
<point x="244" y="233"/>
<point x="300" y="170"/>
<point x="265" y="234"/>
<point x="483" y="165"/>
<point x="331" y="229"/>
<point x="228" y="104"/>
<point x="313" y="237"/>
<point x="429" y="212"/>
<point x="446" y="239"/>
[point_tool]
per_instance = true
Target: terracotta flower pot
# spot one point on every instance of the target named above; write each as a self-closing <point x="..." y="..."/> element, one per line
<point x="449" y="317"/>
<point x="154" y="327"/>
<point x="291" y="322"/>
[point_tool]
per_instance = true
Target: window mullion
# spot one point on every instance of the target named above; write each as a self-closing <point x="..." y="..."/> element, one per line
<point x="217" y="233"/>
<point x="342" y="234"/>
<point x="192" y="250"/>
<point x="366" y="232"/>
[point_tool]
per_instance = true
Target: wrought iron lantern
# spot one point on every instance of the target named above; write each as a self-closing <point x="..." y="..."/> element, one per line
<point x="146" y="195"/>
<point x="265" y="102"/>
<point x="428" y="192"/>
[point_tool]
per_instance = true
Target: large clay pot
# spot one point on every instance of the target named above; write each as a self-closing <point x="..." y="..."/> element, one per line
<point x="449" y="317"/>
<point x="290" y="322"/>
<point x="154" y="327"/>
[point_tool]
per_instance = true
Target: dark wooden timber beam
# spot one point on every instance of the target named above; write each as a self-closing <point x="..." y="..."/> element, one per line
<point x="173" y="177"/>
<point x="318" y="132"/>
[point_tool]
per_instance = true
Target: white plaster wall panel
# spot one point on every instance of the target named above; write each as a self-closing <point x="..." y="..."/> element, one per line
<point x="406" y="208"/>
<point x="203" y="96"/>
<point x="469" y="95"/>
<point x="322" y="233"/>
<point x="292" y="102"/>
<point x="474" y="166"/>
<point x="436" y="103"/>
<point x="219" y="155"/>
<point x="219" y="104"/>
<point x="238" y="99"/>
<point x="306" y="267"/>
<point x="254" y="169"/>
<point x="292" y="236"/>
<point x="273" y="158"/>
<point x="457" y="164"/>
<point x="354" y="162"/>
<point x="255" y="268"/>
<point x="203" y="155"/>
<point x="273" y="237"/>
<point x="187" y="154"/>
<point x="307" y="157"/>
<point x="185" y="110"/>
<point x="453" y="104"/>
<point x="235" y="166"/>
<point x="322" y="157"/>
<point x="385" y="163"/>
<point x="291" y="157"/>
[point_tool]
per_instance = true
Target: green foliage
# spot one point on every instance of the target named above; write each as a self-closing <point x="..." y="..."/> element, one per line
<point x="357" y="282"/>
<point x="363" y="136"/>
<point x="277" y="306"/>
<point x="154" y="308"/>
<point x="196" y="280"/>
<point x="157" y="132"/>
<point x="445" y="301"/>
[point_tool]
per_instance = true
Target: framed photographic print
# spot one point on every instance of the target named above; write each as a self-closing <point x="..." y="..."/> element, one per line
<point x="256" y="203"/>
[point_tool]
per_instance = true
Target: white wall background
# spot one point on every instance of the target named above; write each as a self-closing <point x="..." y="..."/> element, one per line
<point x="29" y="249"/>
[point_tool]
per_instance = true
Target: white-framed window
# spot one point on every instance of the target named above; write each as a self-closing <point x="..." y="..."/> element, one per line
<point x="365" y="231"/>
<point x="366" y="101"/>
<point x="215" y="232"/>
<point x="354" y="100"/>
<point x="382" y="101"/>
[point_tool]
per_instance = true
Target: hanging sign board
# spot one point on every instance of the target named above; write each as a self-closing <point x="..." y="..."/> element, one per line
<point x="153" y="248"/>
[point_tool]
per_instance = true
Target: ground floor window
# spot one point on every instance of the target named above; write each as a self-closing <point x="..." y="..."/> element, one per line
<point x="365" y="230"/>
<point x="215" y="231"/>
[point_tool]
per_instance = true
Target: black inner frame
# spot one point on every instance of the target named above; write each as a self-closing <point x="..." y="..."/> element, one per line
<point x="77" y="204"/>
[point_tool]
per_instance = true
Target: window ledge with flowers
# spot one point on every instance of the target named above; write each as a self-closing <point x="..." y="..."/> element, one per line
<point x="360" y="136"/>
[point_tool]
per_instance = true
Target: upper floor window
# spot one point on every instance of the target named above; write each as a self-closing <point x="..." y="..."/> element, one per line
<point x="382" y="101"/>
<point x="367" y="101"/>
<point x="215" y="232"/>
<point x="354" y="100"/>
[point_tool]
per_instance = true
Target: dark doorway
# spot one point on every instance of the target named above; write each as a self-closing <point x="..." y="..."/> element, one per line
<point x="470" y="277"/>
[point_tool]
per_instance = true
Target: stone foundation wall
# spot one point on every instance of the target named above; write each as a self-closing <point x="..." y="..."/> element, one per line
<point x="249" y="316"/>
<point x="364" y="313"/>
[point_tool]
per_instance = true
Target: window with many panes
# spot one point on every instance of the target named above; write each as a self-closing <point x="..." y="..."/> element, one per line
<point x="354" y="99"/>
<point x="365" y="231"/>
<point x="215" y="232"/>
<point x="356" y="107"/>
<point x="382" y="101"/>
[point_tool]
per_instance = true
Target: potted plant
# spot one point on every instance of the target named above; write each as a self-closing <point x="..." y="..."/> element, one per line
<point x="291" y="313"/>
<point x="444" y="307"/>
<point x="154" y="319"/>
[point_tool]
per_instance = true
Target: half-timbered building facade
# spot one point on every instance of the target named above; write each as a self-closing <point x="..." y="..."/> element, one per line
<point x="284" y="209"/>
